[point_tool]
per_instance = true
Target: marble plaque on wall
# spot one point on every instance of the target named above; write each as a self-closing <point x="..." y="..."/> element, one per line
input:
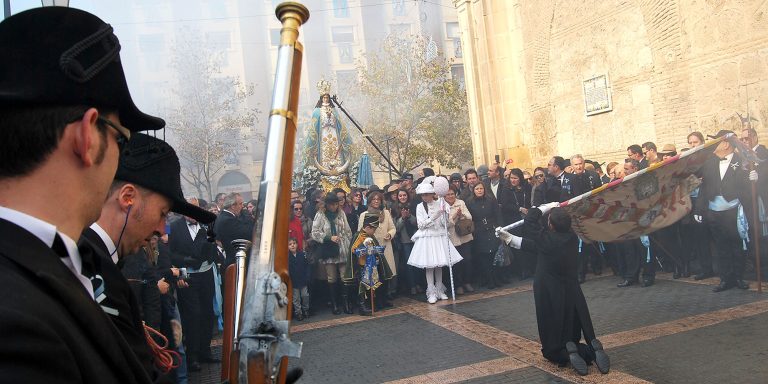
<point x="597" y="95"/>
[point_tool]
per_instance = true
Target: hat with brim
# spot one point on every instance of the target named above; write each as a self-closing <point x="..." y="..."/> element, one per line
<point x="152" y="164"/>
<point x="61" y="56"/>
<point x="331" y="198"/>
<point x="371" y="221"/>
<point x="426" y="186"/>
<point x="720" y="134"/>
<point x="668" y="149"/>
<point x="393" y="189"/>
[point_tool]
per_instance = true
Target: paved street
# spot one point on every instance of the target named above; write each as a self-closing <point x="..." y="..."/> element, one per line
<point x="677" y="331"/>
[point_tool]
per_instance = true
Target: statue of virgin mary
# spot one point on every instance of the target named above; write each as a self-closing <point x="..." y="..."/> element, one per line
<point x="327" y="142"/>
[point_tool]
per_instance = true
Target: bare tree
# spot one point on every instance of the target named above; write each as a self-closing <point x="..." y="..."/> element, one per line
<point x="412" y="101"/>
<point x="209" y="117"/>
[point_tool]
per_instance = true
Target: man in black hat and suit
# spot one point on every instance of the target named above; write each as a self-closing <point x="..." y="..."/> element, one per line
<point x="64" y="109"/>
<point x="559" y="184"/>
<point x="190" y="248"/>
<point x="724" y="188"/>
<point x="146" y="188"/>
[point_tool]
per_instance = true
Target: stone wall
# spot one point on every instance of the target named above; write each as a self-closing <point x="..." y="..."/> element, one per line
<point x="675" y="66"/>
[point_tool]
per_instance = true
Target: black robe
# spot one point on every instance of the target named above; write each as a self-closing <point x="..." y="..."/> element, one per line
<point x="561" y="309"/>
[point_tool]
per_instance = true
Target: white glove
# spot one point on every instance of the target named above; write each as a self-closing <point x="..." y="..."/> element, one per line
<point x="697" y="218"/>
<point x="510" y="239"/>
<point x="753" y="175"/>
<point x="505" y="236"/>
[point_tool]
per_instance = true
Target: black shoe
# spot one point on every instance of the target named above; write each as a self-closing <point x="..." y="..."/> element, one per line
<point x="363" y="307"/>
<point x="702" y="276"/>
<point x="193" y="367"/>
<point x="299" y="316"/>
<point x="646" y="283"/>
<point x="723" y="286"/>
<point x="577" y="362"/>
<point x="741" y="284"/>
<point x="625" y="283"/>
<point x="601" y="358"/>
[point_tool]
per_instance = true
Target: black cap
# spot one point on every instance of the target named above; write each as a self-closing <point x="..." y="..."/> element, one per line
<point x="371" y="221"/>
<point x="331" y="198"/>
<point x="456" y="176"/>
<point x="408" y="176"/>
<point x="720" y="133"/>
<point x="65" y="56"/>
<point x="153" y="164"/>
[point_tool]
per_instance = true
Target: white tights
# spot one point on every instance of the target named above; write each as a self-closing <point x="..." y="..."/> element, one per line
<point x="435" y="281"/>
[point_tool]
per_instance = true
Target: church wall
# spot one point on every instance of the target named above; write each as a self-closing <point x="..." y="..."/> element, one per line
<point x="674" y="66"/>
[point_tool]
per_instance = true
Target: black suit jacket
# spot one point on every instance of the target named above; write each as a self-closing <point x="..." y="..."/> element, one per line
<point x="119" y="296"/>
<point x="762" y="171"/>
<point x="735" y="183"/>
<point x="51" y="329"/>
<point x="186" y="251"/>
<point x="585" y="182"/>
<point x="229" y="228"/>
<point x="557" y="191"/>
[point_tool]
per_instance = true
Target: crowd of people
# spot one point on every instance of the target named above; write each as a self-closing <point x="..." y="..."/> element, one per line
<point x="494" y="196"/>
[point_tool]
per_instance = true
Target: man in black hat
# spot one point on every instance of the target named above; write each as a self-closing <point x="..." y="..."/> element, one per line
<point x="64" y="109"/>
<point x="725" y="187"/>
<point x="146" y="188"/>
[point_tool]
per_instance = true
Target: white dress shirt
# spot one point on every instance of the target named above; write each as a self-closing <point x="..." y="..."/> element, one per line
<point x="46" y="232"/>
<point x="111" y="247"/>
<point x="724" y="164"/>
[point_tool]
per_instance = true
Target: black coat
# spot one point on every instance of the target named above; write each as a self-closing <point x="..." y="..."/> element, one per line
<point x="486" y="217"/>
<point x="51" y="329"/>
<point x="229" y="228"/>
<point x="734" y="185"/>
<point x="187" y="252"/>
<point x="513" y="200"/>
<point x="118" y="296"/>
<point x="142" y="276"/>
<point x="562" y="314"/>
<point x="559" y="191"/>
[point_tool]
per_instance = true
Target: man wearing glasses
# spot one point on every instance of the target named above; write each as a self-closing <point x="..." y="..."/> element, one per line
<point x="64" y="101"/>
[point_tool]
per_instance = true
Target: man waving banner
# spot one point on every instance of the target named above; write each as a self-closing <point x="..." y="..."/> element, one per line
<point x="640" y="203"/>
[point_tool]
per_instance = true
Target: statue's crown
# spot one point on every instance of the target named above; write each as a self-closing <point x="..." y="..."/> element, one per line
<point x="324" y="87"/>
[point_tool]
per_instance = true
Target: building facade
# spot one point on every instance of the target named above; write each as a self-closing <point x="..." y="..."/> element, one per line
<point x="593" y="77"/>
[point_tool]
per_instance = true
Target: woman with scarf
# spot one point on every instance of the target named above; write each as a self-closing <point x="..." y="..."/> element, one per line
<point x="331" y="230"/>
<point x="518" y="203"/>
<point x="384" y="234"/>
<point x="486" y="216"/>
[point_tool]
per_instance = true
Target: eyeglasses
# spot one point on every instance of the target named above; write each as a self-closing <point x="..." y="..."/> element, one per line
<point x="124" y="134"/>
<point x="298" y="209"/>
<point x="539" y="176"/>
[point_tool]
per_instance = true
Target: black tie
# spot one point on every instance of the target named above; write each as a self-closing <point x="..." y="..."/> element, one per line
<point x="59" y="247"/>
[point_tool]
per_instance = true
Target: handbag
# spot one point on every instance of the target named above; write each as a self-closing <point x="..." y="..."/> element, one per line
<point x="465" y="227"/>
<point x="503" y="256"/>
<point x="328" y="250"/>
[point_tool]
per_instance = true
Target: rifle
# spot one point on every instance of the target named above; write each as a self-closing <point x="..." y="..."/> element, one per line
<point x="258" y="290"/>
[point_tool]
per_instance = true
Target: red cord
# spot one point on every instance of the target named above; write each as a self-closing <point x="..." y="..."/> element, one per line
<point x="164" y="357"/>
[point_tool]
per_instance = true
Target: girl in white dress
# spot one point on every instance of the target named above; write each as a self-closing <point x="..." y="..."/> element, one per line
<point x="432" y="248"/>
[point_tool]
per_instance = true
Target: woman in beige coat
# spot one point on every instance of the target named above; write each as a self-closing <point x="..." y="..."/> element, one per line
<point x="384" y="234"/>
<point x="462" y="243"/>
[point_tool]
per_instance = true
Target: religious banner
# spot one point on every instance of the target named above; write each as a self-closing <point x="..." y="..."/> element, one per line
<point x="642" y="202"/>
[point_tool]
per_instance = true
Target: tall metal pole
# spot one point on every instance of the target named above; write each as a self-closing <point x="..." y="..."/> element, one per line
<point x="389" y="166"/>
<point x="6" y="8"/>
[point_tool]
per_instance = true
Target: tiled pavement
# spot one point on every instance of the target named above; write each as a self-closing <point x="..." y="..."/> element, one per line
<point x="677" y="331"/>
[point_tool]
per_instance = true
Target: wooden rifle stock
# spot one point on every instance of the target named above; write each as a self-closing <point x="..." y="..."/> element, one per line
<point x="258" y="294"/>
